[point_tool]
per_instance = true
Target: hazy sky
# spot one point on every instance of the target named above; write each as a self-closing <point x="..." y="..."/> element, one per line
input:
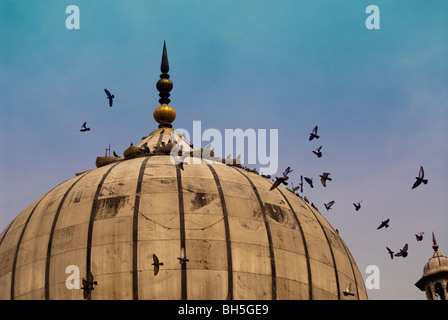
<point x="379" y="97"/>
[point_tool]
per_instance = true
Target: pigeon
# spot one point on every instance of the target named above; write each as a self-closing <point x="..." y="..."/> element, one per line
<point x="294" y="189"/>
<point x="310" y="181"/>
<point x="156" y="264"/>
<point x="384" y="224"/>
<point x="84" y="127"/>
<point x="87" y="285"/>
<point x="317" y="152"/>
<point x="403" y="252"/>
<point x="314" y="134"/>
<point x="391" y="253"/>
<point x="324" y="178"/>
<point x="278" y="181"/>
<point x="419" y="236"/>
<point x="110" y="97"/>
<point x="115" y="154"/>
<point x="182" y="258"/>
<point x="287" y="171"/>
<point x="301" y="184"/>
<point x="347" y="291"/>
<point x="357" y="205"/>
<point x="420" y="179"/>
<point x="328" y="205"/>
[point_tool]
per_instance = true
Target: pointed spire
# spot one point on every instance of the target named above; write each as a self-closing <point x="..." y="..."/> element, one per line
<point x="164" y="114"/>
<point x="435" y="246"/>
<point x="164" y="67"/>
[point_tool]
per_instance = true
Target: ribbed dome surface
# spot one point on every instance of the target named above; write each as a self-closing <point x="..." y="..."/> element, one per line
<point x="241" y="240"/>
<point x="437" y="263"/>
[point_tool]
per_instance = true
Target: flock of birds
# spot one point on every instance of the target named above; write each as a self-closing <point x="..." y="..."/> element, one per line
<point x="324" y="177"/>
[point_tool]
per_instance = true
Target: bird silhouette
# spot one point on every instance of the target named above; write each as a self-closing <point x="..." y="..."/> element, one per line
<point x="324" y="177"/>
<point x="279" y="180"/>
<point x="182" y="258"/>
<point x="115" y="154"/>
<point x="317" y="152"/>
<point x="420" y="179"/>
<point x="357" y="205"/>
<point x="384" y="223"/>
<point x="287" y="171"/>
<point x="84" y="127"/>
<point x="301" y="184"/>
<point x="294" y="189"/>
<point x="310" y="181"/>
<point x="347" y="291"/>
<point x="403" y="252"/>
<point x="391" y="253"/>
<point x="110" y="97"/>
<point x="156" y="264"/>
<point x="314" y="134"/>
<point x="328" y="205"/>
<point x="87" y="285"/>
<point x="419" y="236"/>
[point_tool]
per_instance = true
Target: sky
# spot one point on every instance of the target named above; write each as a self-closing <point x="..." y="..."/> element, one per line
<point x="378" y="96"/>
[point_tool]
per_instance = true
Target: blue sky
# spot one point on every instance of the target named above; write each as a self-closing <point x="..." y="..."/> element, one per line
<point x="379" y="97"/>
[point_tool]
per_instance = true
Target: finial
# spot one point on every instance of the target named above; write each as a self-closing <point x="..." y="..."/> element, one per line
<point x="435" y="246"/>
<point x="164" y="114"/>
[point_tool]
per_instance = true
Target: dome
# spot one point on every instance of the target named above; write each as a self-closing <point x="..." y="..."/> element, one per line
<point x="143" y="226"/>
<point x="437" y="263"/>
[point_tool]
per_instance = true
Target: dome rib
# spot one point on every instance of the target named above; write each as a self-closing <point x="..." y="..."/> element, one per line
<point x="227" y="231"/>
<point x="182" y="233"/>
<point x="91" y="222"/>
<point x="305" y="246"/>
<point x="135" y="229"/>
<point x="50" y="239"/>
<point x="268" y="231"/>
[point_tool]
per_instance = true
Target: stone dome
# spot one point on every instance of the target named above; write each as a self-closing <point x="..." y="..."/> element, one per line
<point x="143" y="226"/>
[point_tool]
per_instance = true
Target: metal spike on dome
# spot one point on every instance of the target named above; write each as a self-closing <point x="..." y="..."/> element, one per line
<point x="435" y="246"/>
<point x="164" y="67"/>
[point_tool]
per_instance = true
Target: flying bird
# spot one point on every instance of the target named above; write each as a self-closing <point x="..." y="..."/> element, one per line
<point x="420" y="179"/>
<point x="403" y="252"/>
<point x="287" y="171"/>
<point x="182" y="258"/>
<point x="391" y="253"/>
<point x="301" y="184"/>
<point x="110" y="97"/>
<point x="324" y="177"/>
<point x="328" y="205"/>
<point x="84" y="127"/>
<point x="384" y="224"/>
<point x="419" y="236"/>
<point x="317" y="152"/>
<point x="357" y="205"/>
<point x="310" y="181"/>
<point x="347" y="291"/>
<point x="314" y="134"/>
<point x="294" y="189"/>
<point x="156" y="264"/>
<point x="278" y="181"/>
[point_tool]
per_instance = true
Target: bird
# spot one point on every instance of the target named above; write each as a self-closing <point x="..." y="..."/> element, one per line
<point x="314" y="134"/>
<point x="115" y="154"/>
<point x="110" y="97"/>
<point x="317" y="152"/>
<point x="328" y="205"/>
<point x="310" y="181"/>
<point x="156" y="264"/>
<point x="87" y="285"/>
<point x="278" y="181"/>
<point x="182" y="258"/>
<point x="419" y="236"/>
<point x="391" y="253"/>
<point x="420" y="179"/>
<point x="357" y="205"/>
<point x="324" y="178"/>
<point x="294" y="189"/>
<point x="403" y="252"/>
<point x="347" y="291"/>
<point x="384" y="223"/>
<point x="287" y="171"/>
<point x="301" y="184"/>
<point x="84" y="127"/>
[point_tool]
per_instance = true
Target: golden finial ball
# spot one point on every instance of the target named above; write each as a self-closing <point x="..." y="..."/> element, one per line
<point x="164" y="114"/>
<point x="164" y="85"/>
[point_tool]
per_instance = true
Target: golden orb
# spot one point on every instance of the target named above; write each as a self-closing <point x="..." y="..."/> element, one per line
<point x="164" y="114"/>
<point x="164" y="84"/>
